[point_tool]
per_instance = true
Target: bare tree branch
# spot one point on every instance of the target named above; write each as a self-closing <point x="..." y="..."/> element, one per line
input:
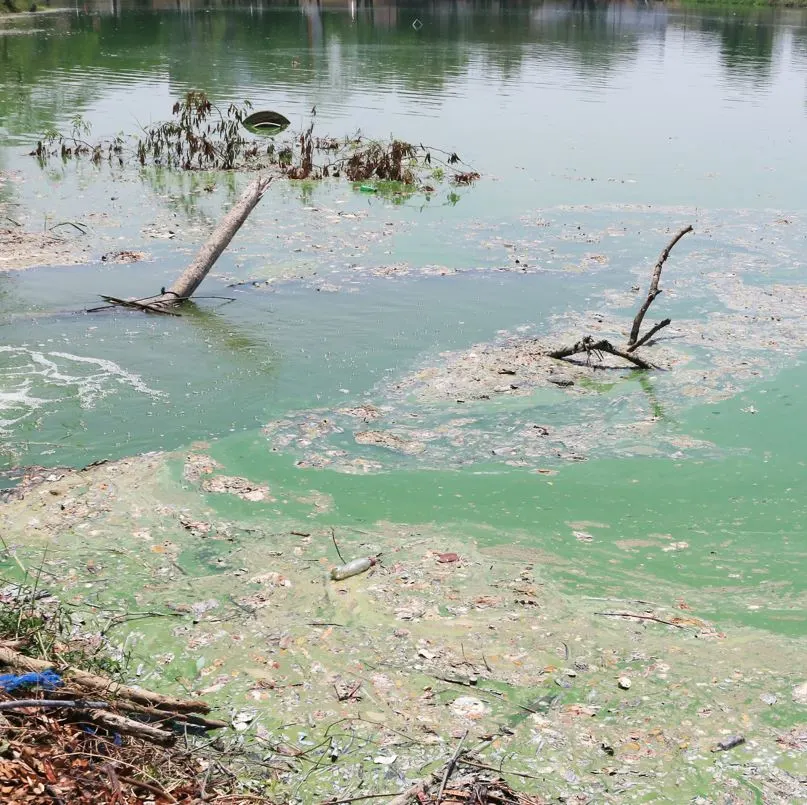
<point x="649" y="334"/>
<point x="589" y="345"/>
<point x="654" y="290"/>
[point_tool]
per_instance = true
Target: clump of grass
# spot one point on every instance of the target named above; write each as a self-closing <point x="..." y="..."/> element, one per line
<point x="37" y="624"/>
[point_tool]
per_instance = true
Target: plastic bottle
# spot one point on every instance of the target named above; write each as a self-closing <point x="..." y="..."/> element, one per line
<point x="352" y="568"/>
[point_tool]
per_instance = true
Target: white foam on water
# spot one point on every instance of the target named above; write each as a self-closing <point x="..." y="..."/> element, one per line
<point x="32" y="380"/>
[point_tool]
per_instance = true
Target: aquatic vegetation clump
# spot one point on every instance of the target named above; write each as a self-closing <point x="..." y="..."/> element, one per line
<point x="201" y="136"/>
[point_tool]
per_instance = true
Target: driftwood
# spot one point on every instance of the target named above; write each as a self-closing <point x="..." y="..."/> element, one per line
<point x="654" y="290"/>
<point x="192" y="277"/>
<point x="589" y="346"/>
<point x="129" y="726"/>
<point x="99" y="684"/>
<point x="180" y="720"/>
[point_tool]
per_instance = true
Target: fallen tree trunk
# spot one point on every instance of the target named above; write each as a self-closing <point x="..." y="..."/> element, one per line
<point x="192" y="277"/>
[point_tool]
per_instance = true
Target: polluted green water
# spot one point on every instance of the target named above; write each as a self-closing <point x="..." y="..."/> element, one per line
<point x="369" y="376"/>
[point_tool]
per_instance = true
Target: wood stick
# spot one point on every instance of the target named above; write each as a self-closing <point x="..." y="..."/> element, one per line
<point x="136" y="304"/>
<point x="16" y="704"/>
<point x="450" y="767"/>
<point x="476" y="765"/>
<point x="418" y="788"/>
<point x="654" y="290"/>
<point x="129" y="726"/>
<point x="218" y="241"/>
<point x="160" y="792"/>
<point x="649" y="334"/>
<point x="640" y="617"/>
<point x="588" y="345"/>
<point x="165" y="716"/>
<point x="90" y="681"/>
<point x="359" y="798"/>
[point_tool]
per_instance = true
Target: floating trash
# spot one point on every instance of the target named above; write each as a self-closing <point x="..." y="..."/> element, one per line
<point x="266" y="122"/>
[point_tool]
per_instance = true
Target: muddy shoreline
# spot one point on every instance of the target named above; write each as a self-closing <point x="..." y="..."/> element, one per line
<point x="386" y="670"/>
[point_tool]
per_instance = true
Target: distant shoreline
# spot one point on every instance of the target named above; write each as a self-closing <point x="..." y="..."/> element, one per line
<point x="8" y="8"/>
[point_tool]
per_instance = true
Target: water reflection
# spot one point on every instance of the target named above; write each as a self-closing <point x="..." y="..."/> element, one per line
<point x="354" y="46"/>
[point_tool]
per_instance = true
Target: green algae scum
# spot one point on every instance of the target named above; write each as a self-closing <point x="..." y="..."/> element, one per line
<point x="595" y="572"/>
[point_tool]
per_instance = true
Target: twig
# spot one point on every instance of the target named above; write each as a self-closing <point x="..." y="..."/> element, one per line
<point x="350" y="694"/>
<point x="589" y="345"/>
<point x="474" y="764"/>
<point x="640" y="617"/>
<point x="450" y="767"/>
<point x="649" y="334"/>
<point x="336" y="545"/>
<point x="466" y="683"/>
<point x="160" y="792"/>
<point x="80" y="227"/>
<point x="359" y="798"/>
<point x="654" y="290"/>
<point x="16" y="704"/>
<point x="114" y="300"/>
<point x="182" y="720"/>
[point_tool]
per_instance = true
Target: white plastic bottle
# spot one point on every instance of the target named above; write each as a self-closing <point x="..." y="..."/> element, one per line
<point x="352" y="568"/>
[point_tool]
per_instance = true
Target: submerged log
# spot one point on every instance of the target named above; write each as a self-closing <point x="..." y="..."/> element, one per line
<point x="191" y="278"/>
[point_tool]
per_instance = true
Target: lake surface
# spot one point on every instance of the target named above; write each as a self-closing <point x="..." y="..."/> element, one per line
<point x="598" y="131"/>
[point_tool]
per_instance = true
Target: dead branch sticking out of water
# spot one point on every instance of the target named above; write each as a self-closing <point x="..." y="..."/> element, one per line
<point x="591" y="347"/>
<point x="653" y="292"/>
<point x="184" y="287"/>
<point x="649" y="334"/>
